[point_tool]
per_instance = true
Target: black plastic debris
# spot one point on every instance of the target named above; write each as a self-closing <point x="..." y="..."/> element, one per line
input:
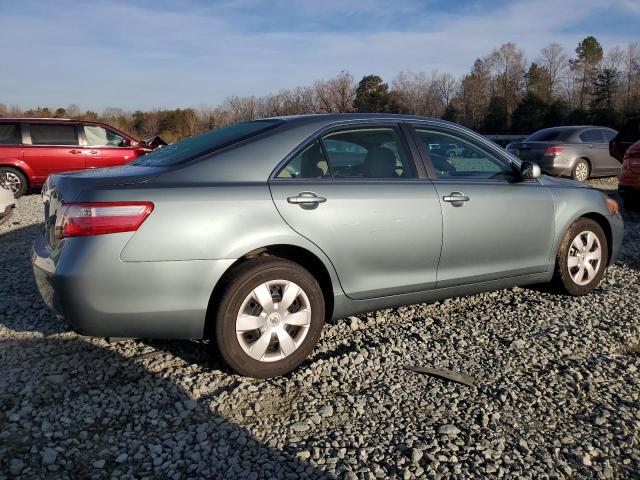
<point x="457" y="377"/>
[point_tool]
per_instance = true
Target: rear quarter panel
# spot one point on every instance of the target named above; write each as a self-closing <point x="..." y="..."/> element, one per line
<point x="206" y="222"/>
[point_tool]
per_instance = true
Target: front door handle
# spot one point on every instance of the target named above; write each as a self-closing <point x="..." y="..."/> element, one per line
<point x="455" y="197"/>
<point x="75" y="151"/>
<point x="306" y="200"/>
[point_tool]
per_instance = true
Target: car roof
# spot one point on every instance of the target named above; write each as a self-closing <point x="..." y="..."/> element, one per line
<point x="61" y="120"/>
<point x="329" y="118"/>
<point x="41" y="119"/>
<point x="575" y="127"/>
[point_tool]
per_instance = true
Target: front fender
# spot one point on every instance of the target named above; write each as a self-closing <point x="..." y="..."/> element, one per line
<point x="589" y="202"/>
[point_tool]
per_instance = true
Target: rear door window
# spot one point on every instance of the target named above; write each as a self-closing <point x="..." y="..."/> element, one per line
<point x="310" y="163"/>
<point x="591" y="136"/>
<point x="371" y="152"/>
<point x="53" y="134"/>
<point x="10" y="134"/>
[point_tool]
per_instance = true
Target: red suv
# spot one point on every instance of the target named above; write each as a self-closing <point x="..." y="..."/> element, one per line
<point x="629" y="180"/>
<point x="31" y="149"/>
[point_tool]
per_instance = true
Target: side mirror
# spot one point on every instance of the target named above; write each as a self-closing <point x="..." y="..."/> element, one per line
<point x="530" y="171"/>
<point x="142" y="144"/>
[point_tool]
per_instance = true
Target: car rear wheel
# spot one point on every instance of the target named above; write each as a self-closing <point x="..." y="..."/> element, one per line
<point x="14" y="180"/>
<point x="581" y="170"/>
<point x="269" y="318"/>
<point x="582" y="258"/>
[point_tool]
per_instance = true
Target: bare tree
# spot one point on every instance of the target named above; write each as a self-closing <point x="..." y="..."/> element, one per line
<point x="555" y="61"/>
<point x="631" y="80"/>
<point x="475" y="93"/>
<point x="335" y="95"/>
<point x="506" y="64"/>
<point x="447" y="87"/>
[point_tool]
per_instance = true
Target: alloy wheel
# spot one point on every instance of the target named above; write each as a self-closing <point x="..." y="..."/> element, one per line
<point x="12" y="182"/>
<point x="584" y="257"/>
<point x="582" y="171"/>
<point x="273" y="320"/>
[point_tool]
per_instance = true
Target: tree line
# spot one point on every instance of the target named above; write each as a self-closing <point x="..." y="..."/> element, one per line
<point x="501" y="94"/>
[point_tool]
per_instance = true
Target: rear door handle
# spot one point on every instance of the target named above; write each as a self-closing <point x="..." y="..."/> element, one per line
<point x="306" y="198"/>
<point x="75" y="151"/>
<point x="455" y="197"/>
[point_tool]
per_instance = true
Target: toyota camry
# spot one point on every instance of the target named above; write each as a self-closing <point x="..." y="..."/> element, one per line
<point x="255" y="234"/>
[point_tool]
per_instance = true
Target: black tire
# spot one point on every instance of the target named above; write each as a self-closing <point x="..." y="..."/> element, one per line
<point x="580" y="163"/>
<point x="562" y="277"/>
<point x="241" y="282"/>
<point x="24" y="184"/>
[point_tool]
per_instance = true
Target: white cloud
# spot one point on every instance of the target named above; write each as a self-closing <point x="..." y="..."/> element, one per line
<point x="106" y="53"/>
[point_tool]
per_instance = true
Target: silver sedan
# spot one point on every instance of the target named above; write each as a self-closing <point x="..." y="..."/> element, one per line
<point x="255" y="234"/>
<point x="578" y="152"/>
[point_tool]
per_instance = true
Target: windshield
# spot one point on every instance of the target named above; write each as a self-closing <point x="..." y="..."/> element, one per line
<point x="549" y="135"/>
<point x="194" y="147"/>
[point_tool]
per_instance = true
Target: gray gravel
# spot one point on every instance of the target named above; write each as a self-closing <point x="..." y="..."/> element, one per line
<point x="557" y="391"/>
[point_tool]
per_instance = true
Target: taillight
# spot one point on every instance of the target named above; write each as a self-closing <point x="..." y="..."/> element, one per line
<point x="632" y="157"/>
<point x="98" y="218"/>
<point x="554" y="151"/>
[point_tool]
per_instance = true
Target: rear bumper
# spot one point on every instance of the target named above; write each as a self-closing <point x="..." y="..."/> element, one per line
<point x="100" y="295"/>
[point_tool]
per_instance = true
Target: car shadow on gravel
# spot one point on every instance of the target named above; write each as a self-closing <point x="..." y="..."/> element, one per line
<point x="72" y="408"/>
<point x="21" y="308"/>
<point x="81" y="408"/>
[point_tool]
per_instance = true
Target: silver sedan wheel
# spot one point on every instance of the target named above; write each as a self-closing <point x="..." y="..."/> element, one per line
<point x="12" y="182"/>
<point x="582" y="171"/>
<point x="273" y="320"/>
<point x="585" y="258"/>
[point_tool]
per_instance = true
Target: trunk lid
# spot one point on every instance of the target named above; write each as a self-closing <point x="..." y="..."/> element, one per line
<point x="530" y="151"/>
<point x="66" y="187"/>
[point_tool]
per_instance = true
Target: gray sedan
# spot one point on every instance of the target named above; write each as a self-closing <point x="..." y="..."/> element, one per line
<point x="255" y="234"/>
<point x="576" y="152"/>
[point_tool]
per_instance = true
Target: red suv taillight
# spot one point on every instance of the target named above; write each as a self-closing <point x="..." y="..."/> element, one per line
<point x="554" y="151"/>
<point x="632" y="158"/>
<point x="98" y="218"/>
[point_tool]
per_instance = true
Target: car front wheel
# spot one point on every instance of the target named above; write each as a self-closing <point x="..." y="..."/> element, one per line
<point x="269" y="318"/>
<point x="582" y="258"/>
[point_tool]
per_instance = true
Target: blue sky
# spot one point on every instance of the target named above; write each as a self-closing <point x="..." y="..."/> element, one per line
<point x="180" y="53"/>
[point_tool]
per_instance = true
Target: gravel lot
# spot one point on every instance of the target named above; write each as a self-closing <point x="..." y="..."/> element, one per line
<point x="557" y="392"/>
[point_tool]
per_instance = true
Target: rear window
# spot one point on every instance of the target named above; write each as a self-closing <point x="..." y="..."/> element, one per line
<point x="591" y="136"/>
<point x="9" y="134"/>
<point x="194" y="147"/>
<point x="549" y="135"/>
<point x="52" y="134"/>
<point x="608" y="134"/>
